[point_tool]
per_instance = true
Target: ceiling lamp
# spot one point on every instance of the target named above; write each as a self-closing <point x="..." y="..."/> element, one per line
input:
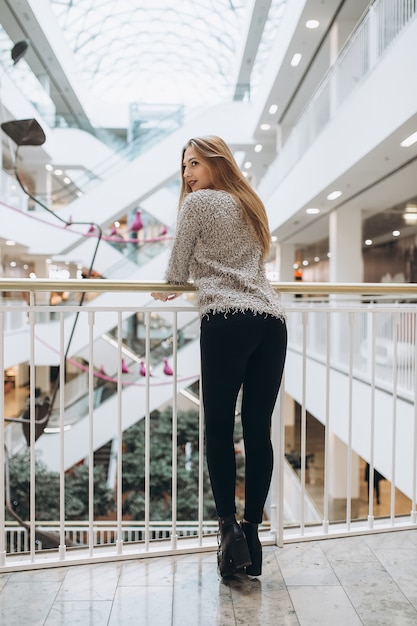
<point x="312" y="24"/>
<point x="334" y="194"/>
<point x="408" y="141"/>
<point x="410" y="214"/>
<point x="296" y="59"/>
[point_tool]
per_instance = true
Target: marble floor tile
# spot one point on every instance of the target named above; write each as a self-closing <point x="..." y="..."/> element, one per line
<point x="72" y="613"/>
<point x="323" y="606"/>
<point x="356" y="549"/>
<point x="397" y="539"/>
<point x="142" y="606"/>
<point x="377" y="598"/>
<point x="400" y="565"/>
<point x="257" y="603"/>
<point x="90" y="583"/>
<point x="305" y="564"/>
<point x="147" y="572"/>
<point x="26" y="603"/>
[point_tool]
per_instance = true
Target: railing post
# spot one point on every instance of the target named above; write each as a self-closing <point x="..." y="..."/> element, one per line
<point x="277" y="483"/>
<point x="414" y="462"/>
<point x="147" y="430"/>
<point x="62" y="368"/>
<point x="327" y="428"/>
<point x="32" y="382"/>
<point x="119" y="446"/>
<point x="371" y="516"/>
<point x="174" y="484"/>
<point x="91" y="434"/>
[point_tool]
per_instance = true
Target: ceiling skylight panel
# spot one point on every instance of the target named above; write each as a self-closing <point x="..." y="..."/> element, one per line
<point x="175" y="30"/>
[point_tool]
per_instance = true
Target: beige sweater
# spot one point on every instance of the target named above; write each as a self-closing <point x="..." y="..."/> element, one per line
<point x="216" y="249"/>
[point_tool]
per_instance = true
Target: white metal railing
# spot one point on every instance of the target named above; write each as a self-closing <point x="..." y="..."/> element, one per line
<point x="384" y="20"/>
<point x="350" y="364"/>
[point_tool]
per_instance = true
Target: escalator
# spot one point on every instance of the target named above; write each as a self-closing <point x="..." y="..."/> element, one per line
<point x="137" y="393"/>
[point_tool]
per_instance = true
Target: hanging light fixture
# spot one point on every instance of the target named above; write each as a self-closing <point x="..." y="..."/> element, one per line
<point x="19" y="50"/>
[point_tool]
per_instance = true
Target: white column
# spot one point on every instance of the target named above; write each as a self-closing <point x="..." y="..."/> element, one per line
<point x="345" y="239"/>
<point x="345" y="265"/>
<point x="286" y="253"/>
<point x="285" y="261"/>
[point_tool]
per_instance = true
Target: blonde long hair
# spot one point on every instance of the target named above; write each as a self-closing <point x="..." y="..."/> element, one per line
<point x="226" y="176"/>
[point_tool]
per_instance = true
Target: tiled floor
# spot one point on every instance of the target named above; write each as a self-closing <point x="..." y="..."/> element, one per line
<point x="367" y="580"/>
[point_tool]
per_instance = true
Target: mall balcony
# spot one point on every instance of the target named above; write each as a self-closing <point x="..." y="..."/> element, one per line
<point x="339" y="525"/>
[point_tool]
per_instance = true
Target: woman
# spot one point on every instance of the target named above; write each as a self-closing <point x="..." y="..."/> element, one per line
<point x="222" y="240"/>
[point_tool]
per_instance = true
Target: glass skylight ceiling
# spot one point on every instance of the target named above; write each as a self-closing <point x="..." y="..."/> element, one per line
<point x="158" y="51"/>
<point x="154" y="51"/>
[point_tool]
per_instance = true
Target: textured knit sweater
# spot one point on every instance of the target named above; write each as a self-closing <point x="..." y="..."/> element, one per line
<point x="219" y="251"/>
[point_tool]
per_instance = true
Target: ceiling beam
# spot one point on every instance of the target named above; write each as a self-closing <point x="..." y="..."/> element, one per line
<point x="257" y="15"/>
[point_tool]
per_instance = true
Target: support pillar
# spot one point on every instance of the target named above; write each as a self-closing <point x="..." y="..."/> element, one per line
<point x="345" y="244"/>
<point x="285" y="262"/>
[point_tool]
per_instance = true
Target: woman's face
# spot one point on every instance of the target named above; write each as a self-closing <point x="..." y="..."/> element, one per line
<point x="196" y="173"/>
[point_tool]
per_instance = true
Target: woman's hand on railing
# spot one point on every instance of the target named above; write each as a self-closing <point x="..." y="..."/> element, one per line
<point x="162" y="295"/>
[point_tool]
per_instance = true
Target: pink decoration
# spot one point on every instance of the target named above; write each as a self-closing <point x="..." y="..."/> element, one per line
<point x="69" y="222"/>
<point x="91" y="229"/>
<point x="167" y="368"/>
<point x="113" y="232"/>
<point x="164" y="231"/>
<point x="125" y="369"/>
<point x="137" y="223"/>
<point x="142" y="368"/>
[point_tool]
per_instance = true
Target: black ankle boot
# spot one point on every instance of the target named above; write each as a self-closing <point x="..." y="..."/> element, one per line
<point x="233" y="553"/>
<point x="255" y="548"/>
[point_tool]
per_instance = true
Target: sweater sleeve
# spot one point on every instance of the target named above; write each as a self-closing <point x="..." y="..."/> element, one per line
<point x="187" y="230"/>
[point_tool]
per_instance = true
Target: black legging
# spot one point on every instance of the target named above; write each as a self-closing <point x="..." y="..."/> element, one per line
<point x="241" y="349"/>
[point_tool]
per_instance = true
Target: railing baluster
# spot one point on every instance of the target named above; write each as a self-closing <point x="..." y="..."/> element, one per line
<point x="62" y="370"/>
<point x="201" y="459"/>
<point x="277" y="485"/>
<point x="414" y="461"/>
<point x="350" y="424"/>
<point x="119" y="478"/>
<point x="372" y="427"/>
<point x="174" y="485"/>
<point x="91" y="539"/>
<point x="32" y="509"/>
<point x="303" y="425"/>
<point x="327" y="428"/>
<point x="147" y="430"/>
<point x="394" y="419"/>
